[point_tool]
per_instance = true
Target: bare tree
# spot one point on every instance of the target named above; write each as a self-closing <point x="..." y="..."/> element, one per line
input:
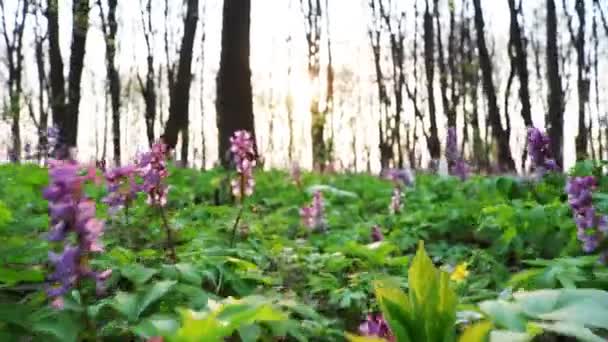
<point x="582" y="84"/>
<point x="65" y="114"/>
<point x="178" y="120"/>
<point x="519" y="60"/>
<point x="555" y="96"/>
<point x="109" y="27"/>
<point x="13" y="42"/>
<point x="500" y="134"/>
<point x="234" y="95"/>
<point x="148" y="88"/>
<point x="313" y="13"/>
<point x="429" y="62"/>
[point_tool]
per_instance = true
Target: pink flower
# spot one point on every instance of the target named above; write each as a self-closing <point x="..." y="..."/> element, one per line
<point x="242" y="148"/>
<point x="313" y="216"/>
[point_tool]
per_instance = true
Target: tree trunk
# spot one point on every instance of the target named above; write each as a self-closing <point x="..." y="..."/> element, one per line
<point x="429" y="62"/>
<point x="180" y="93"/>
<point x="234" y="95"/>
<point x="554" y="83"/>
<point x="148" y="89"/>
<point x="80" y="27"/>
<point x="500" y="135"/>
<point x="520" y="61"/>
<point x="57" y="80"/>
<point x="109" y="28"/>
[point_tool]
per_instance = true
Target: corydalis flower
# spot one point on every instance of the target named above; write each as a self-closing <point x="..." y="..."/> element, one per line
<point x="313" y="216"/>
<point x="540" y="154"/>
<point x="376" y="233"/>
<point x="153" y="169"/>
<point x="400" y="177"/>
<point x="592" y="229"/>
<point x="122" y="187"/>
<point x="376" y="326"/>
<point x="457" y="165"/>
<point x="451" y="146"/>
<point x="396" y="204"/>
<point x="243" y="154"/>
<point x="72" y="212"/>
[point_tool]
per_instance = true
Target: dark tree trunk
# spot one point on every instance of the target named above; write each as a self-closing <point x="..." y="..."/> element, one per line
<point x="582" y="83"/>
<point x="500" y="135"/>
<point x="109" y="28"/>
<point x="429" y="62"/>
<point x="56" y="78"/>
<point x="80" y="27"/>
<point x="178" y="120"/>
<point x="148" y="89"/>
<point x="375" y="33"/>
<point x="234" y="94"/>
<point x="329" y="94"/>
<point x="443" y="75"/>
<point x="519" y="58"/>
<point x="42" y="88"/>
<point x="202" y="88"/>
<point x="554" y="83"/>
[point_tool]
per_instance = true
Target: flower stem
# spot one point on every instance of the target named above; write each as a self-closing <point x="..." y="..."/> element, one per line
<point x="236" y="224"/>
<point x="170" y="244"/>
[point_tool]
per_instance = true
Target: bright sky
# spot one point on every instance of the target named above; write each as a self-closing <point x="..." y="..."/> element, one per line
<point x="272" y="22"/>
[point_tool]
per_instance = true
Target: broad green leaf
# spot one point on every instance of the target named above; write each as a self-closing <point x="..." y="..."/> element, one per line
<point x="157" y="325"/>
<point x="137" y="274"/>
<point x="505" y="314"/>
<point x="132" y="305"/>
<point x="189" y="273"/>
<point x="11" y="277"/>
<point x="509" y="336"/>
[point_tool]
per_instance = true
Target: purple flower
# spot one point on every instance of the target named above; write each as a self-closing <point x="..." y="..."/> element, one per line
<point x="243" y="153"/>
<point x="451" y="146"/>
<point x="457" y="165"/>
<point x="396" y="204"/>
<point x="313" y="216"/>
<point x="460" y="169"/>
<point x="401" y="177"/>
<point x="375" y="325"/>
<point x="122" y="187"/>
<point x="71" y="211"/>
<point x="152" y="167"/>
<point x="540" y="153"/>
<point x="592" y="229"/>
<point x="376" y="234"/>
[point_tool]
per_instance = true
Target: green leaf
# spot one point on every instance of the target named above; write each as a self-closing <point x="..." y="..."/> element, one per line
<point x="505" y="314"/>
<point x="132" y="305"/>
<point x="157" y="325"/>
<point x="11" y="277"/>
<point x="137" y="274"/>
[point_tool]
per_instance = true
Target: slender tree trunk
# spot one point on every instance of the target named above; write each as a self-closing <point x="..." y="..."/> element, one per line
<point x="178" y="120"/>
<point x="520" y="61"/>
<point x="429" y="62"/>
<point x="234" y="94"/>
<point x="554" y="83"/>
<point x="500" y="135"/>
<point x="148" y="89"/>
<point x="57" y="80"/>
<point x="109" y="28"/>
<point x="80" y="27"/>
<point x="202" y="88"/>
